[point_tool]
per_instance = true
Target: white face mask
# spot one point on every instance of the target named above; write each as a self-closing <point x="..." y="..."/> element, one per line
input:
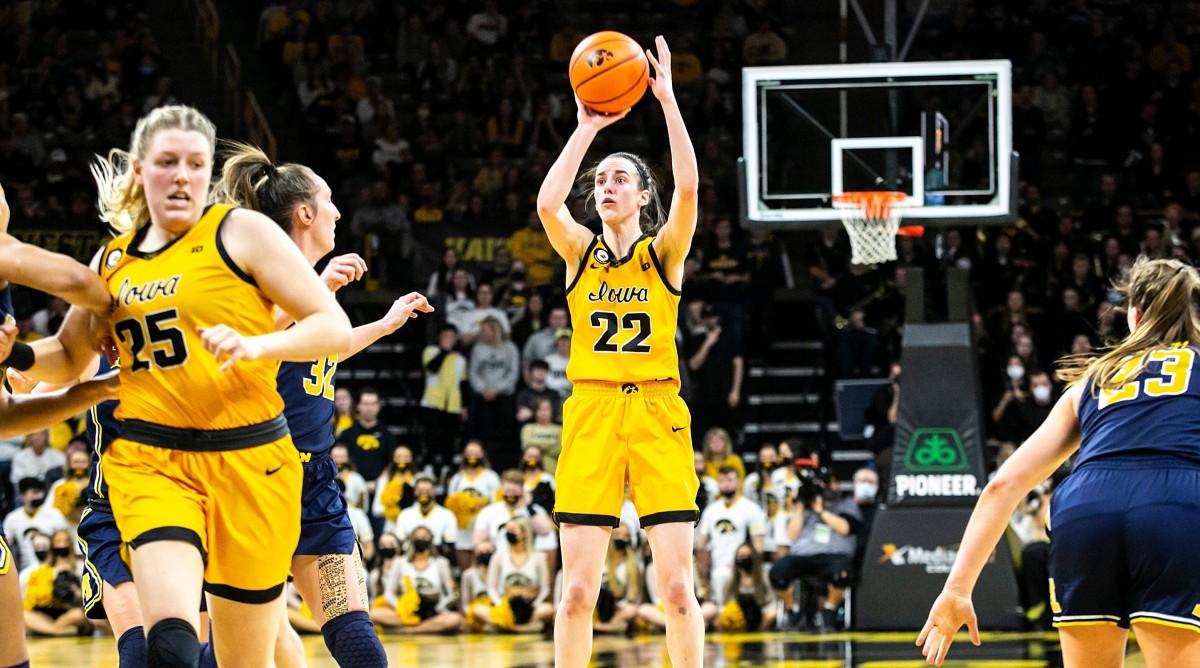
<point x="865" y="490"/>
<point x="1016" y="372"/>
<point x="1041" y="393"/>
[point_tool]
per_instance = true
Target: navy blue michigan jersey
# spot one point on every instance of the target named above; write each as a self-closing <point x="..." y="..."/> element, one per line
<point x="6" y="307"/>
<point x="102" y="429"/>
<point x="1156" y="413"/>
<point x="307" y="391"/>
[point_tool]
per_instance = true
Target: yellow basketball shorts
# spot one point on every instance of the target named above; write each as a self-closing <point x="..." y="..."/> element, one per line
<point x="614" y="433"/>
<point x="239" y="507"/>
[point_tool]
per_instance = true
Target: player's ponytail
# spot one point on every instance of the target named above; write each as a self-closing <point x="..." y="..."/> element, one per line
<point x="250" y="180"/>
<point x="1166" y="294"/>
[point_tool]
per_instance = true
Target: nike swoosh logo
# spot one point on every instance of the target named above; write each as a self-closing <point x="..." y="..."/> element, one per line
<point x="274" y="470"/>
<point x="678" y="428"/>
<point x="595" y="267"/>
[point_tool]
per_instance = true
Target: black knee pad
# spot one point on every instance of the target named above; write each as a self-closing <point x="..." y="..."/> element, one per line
<point x="172" y="643"/>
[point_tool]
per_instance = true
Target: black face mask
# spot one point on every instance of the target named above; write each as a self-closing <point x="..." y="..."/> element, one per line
<point x="745" y="563"/>
<point x="60" y="551"/>
<point x="41" y="554"/>
<point x="387" y="552"/>
<point x="512" y="538"/>
<point x="621" y="545"/>
<point x="37" y="502"/>
<point x="532" y="464"/>
<point x="512" y="500"/>
<point x="472" y="462"/>
<point x="483" y="558"/>
<point x="517" y="276"/>
<point x="729" y="494"/>
<point x="421" y="545"/>
<point x="424" y="499"/>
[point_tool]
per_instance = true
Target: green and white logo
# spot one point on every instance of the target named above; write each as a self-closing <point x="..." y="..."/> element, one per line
<point x="935" y="450"/>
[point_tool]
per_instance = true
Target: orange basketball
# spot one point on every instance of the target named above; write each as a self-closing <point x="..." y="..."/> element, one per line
<point x="609" y="71"/>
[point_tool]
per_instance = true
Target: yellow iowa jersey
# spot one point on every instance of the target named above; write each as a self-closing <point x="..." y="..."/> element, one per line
<point x="167" y="377"/>
<point x="624" y="315"/>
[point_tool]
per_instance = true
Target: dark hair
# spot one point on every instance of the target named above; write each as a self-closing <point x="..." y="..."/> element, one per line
<point x="27" y="484"/>
<point x="651" y="218"/>
<point x="368" y="389"/>
<point x="249" y="179"/>
<point x="728" y="469"/>
<point x="539" y="364"/>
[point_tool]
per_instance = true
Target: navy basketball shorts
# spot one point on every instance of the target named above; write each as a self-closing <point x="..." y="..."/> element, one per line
<point x="1122" y="550"/>
<point x="324" y="521"/>
<point x="101" y="542"/>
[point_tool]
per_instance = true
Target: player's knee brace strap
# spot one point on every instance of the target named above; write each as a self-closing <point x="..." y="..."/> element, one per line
<point x="172" y="643"/>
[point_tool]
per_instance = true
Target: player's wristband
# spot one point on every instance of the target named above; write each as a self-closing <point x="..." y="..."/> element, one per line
<point x="20" y="358"/>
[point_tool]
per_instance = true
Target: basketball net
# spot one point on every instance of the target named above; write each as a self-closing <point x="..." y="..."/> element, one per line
<point x="872" y="220"/>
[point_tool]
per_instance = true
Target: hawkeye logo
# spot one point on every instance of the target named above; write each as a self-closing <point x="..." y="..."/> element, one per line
<point x="935" y="465"/>
<point x="937" y="561"/>
<point x="598" y="57"/>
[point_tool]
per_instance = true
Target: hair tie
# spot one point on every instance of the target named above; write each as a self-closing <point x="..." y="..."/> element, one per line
<point x="268" y="170"/>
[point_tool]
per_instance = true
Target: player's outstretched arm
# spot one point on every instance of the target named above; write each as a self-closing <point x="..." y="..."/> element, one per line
<point x="1033" y="462"/>
<point x="674" y="240"/>
<point x="568" y="237"/>
<point x="261" y="249"/>
<point x="402" y="310"/>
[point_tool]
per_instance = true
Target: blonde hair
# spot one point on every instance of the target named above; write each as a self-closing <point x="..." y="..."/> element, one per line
<point x="717" y="432"/>
<point x="632" y="591"/>
<point x="122" y="201"/>
<point x="250" y="180"/>
<point x="1166" y="294"/>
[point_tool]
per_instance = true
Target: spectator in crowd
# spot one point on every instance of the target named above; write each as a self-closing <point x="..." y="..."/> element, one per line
<point x="529" y="318"/>
<point x="395" y="487"/>
<point x="724" y="525"/>
<point x="69" y="494"/>
<point x="441" y="281"/>
<point x="708" y="491"/>
<point x="32" y="514"/>
<point x="37" y="459"/>
<point x="427" y="512"/>
<point x="343" y="410"/>
<point x="531" y="246"/>
<point x="382" y="563"/>
<point x="866" y="493"/>
<point x="493" y="372"/>
<point x="471" y="322"/>
<point x="714" y="358"/>
<point x="543" y="433"/>
<point x="515" y="502"/>
<point x="759" y="482"/>
<point x="457" y="302"/>
<point x="543" y="342"/>
<point x="418" y="591"/>
<point x="355" y="486"/>
<point x="518" y="584"/>
<point x="620" y="584"/>
<point x="557" y="362"/>
<point x="442" y="402"/>
<point x="369" y="442"/>
<point x="749" y="602"/>
<point x="539" y="478"/>
<point x="53" y="594"/>
<point x="535" y="390"/>
<point x="822" y="543"/>
<point x="469" y="490"/>
<point x="717" y="447"/>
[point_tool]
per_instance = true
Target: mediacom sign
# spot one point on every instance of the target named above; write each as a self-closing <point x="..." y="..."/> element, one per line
<point x="939" y="560"/>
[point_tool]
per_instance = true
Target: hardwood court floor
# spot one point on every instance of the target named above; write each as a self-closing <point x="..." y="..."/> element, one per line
<point x="792" y="650"/>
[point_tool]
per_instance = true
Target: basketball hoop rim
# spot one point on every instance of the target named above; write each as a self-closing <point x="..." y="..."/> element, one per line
<point x="876" y="207"/>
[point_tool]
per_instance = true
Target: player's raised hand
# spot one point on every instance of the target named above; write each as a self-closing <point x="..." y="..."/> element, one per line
<point x="586" y="116"/>
<point x="343" y="270"/>
<point x="227" y="346"/>
<point x="660" y="83"/>
<point x="406" y="307"/>
<point x="949" y="613"/>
